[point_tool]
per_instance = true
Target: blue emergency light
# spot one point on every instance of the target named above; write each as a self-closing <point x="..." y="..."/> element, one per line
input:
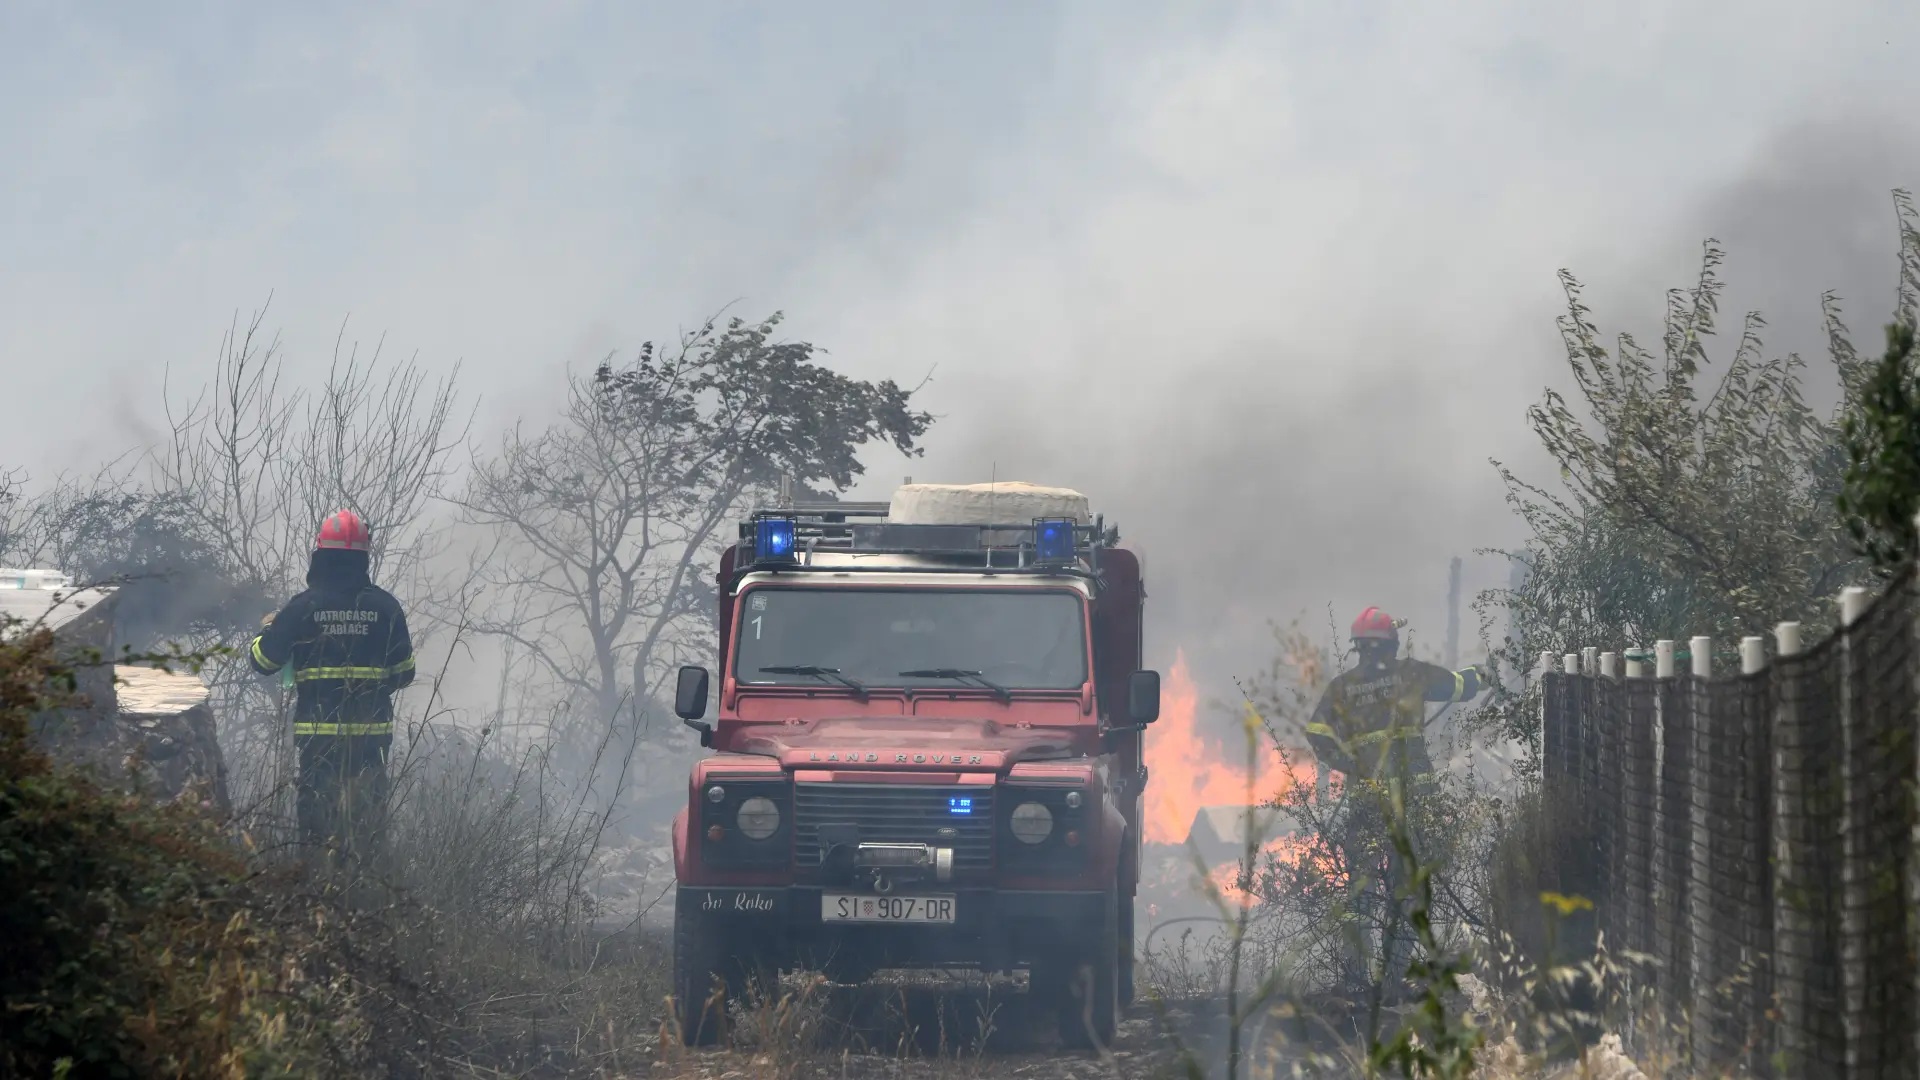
<point x="1053" y="541"/>
<point x="773" y="540"/>
<point x="960" y="805"/>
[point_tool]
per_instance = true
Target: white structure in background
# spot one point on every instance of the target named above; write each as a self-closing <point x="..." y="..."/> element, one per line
<point x="126" y="711"/>
<point x="30" y="597"/>
<point x="12" y="578"/>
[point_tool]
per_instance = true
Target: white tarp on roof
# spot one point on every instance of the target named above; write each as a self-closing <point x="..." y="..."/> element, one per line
<point x="152" y="692"/>
<point x="973" y="504"/>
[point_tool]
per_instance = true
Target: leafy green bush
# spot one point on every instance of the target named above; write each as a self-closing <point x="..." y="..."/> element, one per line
<point x="132" y="945"/>
<point x="1695" y="497"/>
<point x="1882" y="490"/>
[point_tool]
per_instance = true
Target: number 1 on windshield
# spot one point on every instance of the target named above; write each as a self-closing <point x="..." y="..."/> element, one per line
<point x="756" y="626"/>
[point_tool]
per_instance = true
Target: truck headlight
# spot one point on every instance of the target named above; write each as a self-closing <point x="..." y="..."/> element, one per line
<point x="759" y="817"/>
<point x="1032" y="822"/>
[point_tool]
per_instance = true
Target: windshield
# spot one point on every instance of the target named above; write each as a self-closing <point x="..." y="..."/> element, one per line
<point x="1015" y="639"/>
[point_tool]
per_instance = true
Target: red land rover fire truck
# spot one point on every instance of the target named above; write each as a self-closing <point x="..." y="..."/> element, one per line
<point x="928" y="755"/>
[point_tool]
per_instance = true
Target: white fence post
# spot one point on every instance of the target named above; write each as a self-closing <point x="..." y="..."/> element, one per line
<point x="1786" y="639"/>
<point x="1700" y="914"/>
<point x="1589" y="660"/>
<point x="1669" y="896"/>
<point x="1637" y="663"/>
<point x="1792" y="878"/>
<point x="1570" y="663"/>
<point x="1753" y="655"/>
<point x="1853" y="604"/>
<point x="1608" y="664"/>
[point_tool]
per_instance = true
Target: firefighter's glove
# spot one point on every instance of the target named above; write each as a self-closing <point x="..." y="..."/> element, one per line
<point x="267" y="621"/>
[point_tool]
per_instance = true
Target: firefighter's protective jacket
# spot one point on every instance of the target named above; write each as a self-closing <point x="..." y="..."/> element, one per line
<point x="1371" y="723"/>
<point x="346" y="640"/>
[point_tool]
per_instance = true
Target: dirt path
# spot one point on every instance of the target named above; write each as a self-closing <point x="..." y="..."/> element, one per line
<point x="962" y="1029"/>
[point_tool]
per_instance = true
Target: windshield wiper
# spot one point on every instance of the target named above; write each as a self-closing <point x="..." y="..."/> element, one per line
<point x="831" y="674"/>
<point x="1001" y="692"/>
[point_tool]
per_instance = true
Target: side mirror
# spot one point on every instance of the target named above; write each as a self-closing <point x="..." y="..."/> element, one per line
<point x="690" y="697"/>
<point x="1143" y="697"/>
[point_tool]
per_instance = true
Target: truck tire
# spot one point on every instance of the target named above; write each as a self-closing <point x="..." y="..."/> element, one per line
<point x="1090" y="1006"/>
<point x="701" y="987"/>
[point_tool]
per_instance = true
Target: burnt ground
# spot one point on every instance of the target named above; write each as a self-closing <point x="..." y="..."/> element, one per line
<point x="952" y="1027"/>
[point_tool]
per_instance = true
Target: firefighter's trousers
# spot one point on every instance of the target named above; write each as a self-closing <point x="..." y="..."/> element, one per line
<point x="1383" y="941"/>
<point x="342" y="794"/>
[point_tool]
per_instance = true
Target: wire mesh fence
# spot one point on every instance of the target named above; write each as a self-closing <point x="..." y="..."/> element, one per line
<point x="1754" y="836"/>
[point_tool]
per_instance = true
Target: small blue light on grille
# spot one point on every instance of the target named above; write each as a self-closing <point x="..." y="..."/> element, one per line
<point x="773" y="540"/>
<point x="960" y="805"/>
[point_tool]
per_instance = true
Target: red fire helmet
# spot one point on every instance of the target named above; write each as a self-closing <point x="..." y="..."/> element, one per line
<point x="1374" y="624"/>
<point x="343" y="531"/>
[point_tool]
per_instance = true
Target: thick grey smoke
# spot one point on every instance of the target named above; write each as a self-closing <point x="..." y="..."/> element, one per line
<point x="1270" y="282"/>
<point x="1297" y="286"/>
<point x="1813" y="212"/>
<point x="1268" y="478"/>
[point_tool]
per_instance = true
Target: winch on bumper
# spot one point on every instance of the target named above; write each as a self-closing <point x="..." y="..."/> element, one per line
<point x="882" y="867"/>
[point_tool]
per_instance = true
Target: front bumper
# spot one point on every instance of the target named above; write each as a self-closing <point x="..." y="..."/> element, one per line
<point x="993" y="929"/>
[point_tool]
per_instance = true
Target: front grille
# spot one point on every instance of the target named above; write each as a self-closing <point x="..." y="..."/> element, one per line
<point x="895" y="814"/>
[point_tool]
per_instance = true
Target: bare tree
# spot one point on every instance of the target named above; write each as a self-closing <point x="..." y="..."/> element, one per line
<point x="57" y="523"/>
<point x="11" y="481"/>
<point x="263" y="462"/>
<point x="110" y="529"/>
<point x="256" y="461"/>
<point x="607" y="523"/>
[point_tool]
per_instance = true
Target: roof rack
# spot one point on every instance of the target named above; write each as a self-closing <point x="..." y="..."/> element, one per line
<point x="830" y="510"/>
<point x="863" y="528"/>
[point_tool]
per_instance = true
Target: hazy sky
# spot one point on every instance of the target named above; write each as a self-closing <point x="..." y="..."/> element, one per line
<point x="1270" y="281"/>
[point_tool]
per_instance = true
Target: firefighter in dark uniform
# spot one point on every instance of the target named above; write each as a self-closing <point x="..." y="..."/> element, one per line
<point x="345" y="647"/>
<point x="1371" y="722"/>
<point x="1370" y="726"/>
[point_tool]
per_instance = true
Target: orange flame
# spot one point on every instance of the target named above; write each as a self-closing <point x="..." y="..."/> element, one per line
<point x="1283" y="850"/>
<point x="1188" y="771"/>
<point x="1185" y="771"/>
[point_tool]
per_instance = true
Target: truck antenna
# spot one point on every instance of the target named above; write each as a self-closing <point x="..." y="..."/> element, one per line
<point x="993" y="489"/>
